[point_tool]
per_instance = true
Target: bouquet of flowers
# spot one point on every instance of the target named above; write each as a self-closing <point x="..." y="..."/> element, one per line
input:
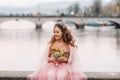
<point x="57" y="53"/>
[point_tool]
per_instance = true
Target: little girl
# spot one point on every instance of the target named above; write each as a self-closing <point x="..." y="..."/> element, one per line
<point x="61" y="58"/>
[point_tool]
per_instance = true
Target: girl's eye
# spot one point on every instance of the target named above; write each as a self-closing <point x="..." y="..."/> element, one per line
<point x="56" y="31"/>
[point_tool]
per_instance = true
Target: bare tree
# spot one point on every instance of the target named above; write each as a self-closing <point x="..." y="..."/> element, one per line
<point x="70" y="9"/>
<point x="118" y="5"/>
<point x="97" y="7"/>
<point x="74" y="8"/>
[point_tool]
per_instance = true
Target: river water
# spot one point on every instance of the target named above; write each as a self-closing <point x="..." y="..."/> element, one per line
<point x="99" y="48"/>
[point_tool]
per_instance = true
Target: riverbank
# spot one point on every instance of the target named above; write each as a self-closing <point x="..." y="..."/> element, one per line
<point x="21" y="75"/>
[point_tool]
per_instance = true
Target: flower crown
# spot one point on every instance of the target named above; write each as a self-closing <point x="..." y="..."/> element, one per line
<point x="61" y="24"/>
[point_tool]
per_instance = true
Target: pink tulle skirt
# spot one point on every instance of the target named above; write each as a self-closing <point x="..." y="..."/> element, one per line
<point x="61" y="71"/>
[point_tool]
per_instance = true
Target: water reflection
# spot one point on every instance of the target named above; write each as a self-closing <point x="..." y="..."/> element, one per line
<point x="99" y="48"/>
<point x="17" y="24"/>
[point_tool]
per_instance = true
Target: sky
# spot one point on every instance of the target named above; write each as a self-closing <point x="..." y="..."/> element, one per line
<point x="24" y="2"/>
<point x="33" y="2"/>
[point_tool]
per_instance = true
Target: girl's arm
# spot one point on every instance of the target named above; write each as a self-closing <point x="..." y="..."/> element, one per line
<point x="50" y="59"/>
<point x="62" y="59"/>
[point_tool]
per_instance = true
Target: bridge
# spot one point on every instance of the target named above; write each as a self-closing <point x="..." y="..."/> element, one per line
<point x="78" y="21"/>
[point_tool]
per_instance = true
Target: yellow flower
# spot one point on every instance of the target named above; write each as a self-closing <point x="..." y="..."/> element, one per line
<point x="56" y="48"/>
<point x="62" y="52"/>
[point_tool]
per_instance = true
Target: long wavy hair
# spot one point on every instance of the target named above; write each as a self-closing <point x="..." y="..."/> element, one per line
<point x="66" y="34"/>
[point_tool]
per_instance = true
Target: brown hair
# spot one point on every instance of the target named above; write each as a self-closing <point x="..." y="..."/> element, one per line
<point x="66" y="34"/>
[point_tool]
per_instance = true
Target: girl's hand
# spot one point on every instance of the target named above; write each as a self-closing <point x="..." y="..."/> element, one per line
<point x="52" y="60"/>
<point x="62" y="59"/>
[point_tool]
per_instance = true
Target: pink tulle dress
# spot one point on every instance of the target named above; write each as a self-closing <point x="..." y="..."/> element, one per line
<point x="63" y="71"/>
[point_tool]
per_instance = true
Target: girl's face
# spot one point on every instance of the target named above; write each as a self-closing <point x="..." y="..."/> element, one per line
<point x="57" y="33"/>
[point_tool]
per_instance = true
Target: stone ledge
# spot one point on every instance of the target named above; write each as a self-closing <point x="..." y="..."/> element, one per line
<point x="21" y="75"/>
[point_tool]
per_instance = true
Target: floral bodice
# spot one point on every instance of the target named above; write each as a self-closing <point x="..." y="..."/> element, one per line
<point x="59" y="52"/>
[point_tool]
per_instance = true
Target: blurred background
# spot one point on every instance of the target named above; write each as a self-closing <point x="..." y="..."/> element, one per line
<point x="26" y="27"/>
<point x="86" y="8"/>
